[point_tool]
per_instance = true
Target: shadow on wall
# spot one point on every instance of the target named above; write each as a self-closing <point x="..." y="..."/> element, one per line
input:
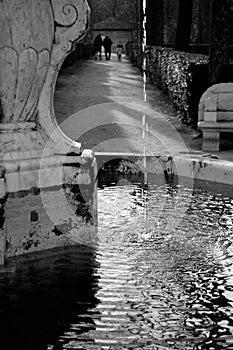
<point x="42" y="299"/>
<point x="80" y="51"/>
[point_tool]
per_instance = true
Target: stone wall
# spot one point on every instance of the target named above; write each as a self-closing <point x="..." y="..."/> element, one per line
<point x="59" y="211"/>
<point x="120" y="20"/>
<point x="122" y="13"/>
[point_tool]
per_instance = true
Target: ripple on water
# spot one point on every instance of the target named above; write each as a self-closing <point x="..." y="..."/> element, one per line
<point x="146" y="285"/>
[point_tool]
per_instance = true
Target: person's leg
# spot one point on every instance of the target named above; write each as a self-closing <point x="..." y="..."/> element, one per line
<point x="109" y="53"/>
<point x="96" y="55"/>
<point x="100" y="54"/>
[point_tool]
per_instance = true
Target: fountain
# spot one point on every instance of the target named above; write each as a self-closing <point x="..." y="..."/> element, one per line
<point x="47" y="186"/>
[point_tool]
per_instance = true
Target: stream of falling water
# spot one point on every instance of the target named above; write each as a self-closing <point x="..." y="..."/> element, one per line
<point x="145" y="126"/>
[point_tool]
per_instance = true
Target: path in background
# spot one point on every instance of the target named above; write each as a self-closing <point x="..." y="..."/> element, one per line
<point x="89" y="83"/>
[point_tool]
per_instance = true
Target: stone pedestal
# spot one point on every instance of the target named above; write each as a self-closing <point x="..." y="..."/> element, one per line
<point x="211" y="140"/>
<point x="215" y="115"/>
<point x="47" y="182"/>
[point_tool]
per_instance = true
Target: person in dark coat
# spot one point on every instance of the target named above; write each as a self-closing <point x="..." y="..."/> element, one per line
<point x="98" y="42"/>
<point x="107" y="43"/>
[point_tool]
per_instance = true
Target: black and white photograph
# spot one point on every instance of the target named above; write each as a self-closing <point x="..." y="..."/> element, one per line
<point x="116" y="174"/>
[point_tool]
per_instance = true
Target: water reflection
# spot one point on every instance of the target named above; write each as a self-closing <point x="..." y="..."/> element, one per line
<point x="178" y="277"/>
<point x="39" y="300"/>
<point x="153" y="288"/>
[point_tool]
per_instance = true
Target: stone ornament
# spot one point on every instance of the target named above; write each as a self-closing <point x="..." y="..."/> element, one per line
<point x="215" y="115"/>
<point x="24" y="55"/>
<point x="36" y="36"/>
<point x="36" y="163"/>
<point x="71" y="20"/>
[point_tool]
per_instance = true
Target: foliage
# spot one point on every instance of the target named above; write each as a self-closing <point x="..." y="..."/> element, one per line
<point x="182" y="76"/>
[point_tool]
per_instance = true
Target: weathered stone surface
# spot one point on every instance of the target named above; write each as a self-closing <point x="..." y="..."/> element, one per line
<point x="47" y="198"/>
<point x="52" y="213"/>
<point x="2" y="221"/>
<point x="32" y="227"/>
<point x="24" y="54"/>
<point x="217" y="98"/>
<point x="216" y="114"/>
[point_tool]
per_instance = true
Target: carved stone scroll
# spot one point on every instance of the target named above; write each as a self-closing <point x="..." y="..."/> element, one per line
<point x="71" y="19"/>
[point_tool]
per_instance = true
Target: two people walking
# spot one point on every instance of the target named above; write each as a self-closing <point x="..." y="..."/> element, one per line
<point x="106" y="43"/>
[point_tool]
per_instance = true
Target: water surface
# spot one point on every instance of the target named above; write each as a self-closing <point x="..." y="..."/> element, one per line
<point x="155" y="279"/>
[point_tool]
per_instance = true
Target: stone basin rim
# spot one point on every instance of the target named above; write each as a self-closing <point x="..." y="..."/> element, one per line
<point x="196" y="166"/>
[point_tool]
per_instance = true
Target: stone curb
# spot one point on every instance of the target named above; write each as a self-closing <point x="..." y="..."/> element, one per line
<point x="206" y="169"/>
<point x="195" y="167"/>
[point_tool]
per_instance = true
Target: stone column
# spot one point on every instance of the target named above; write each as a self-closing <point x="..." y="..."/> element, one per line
<point x="220" y="41"/>
<point x="41" y="170"/>
<point x="154" y="13"/>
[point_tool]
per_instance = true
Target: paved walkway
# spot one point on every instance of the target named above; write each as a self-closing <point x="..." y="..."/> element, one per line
<point x="101" y="104"/>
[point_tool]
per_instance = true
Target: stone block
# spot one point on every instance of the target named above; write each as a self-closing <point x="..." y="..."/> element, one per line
<point x="225" y="116"/>
<point x="210" y="116"/>
<point x="225" y="101"/>
<point x="56" y="215"/>
<point x="215" y="114"/>
<point x="44" y="208"/>
<point x="211" y="140"/>
<point x="210" y="103"/>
